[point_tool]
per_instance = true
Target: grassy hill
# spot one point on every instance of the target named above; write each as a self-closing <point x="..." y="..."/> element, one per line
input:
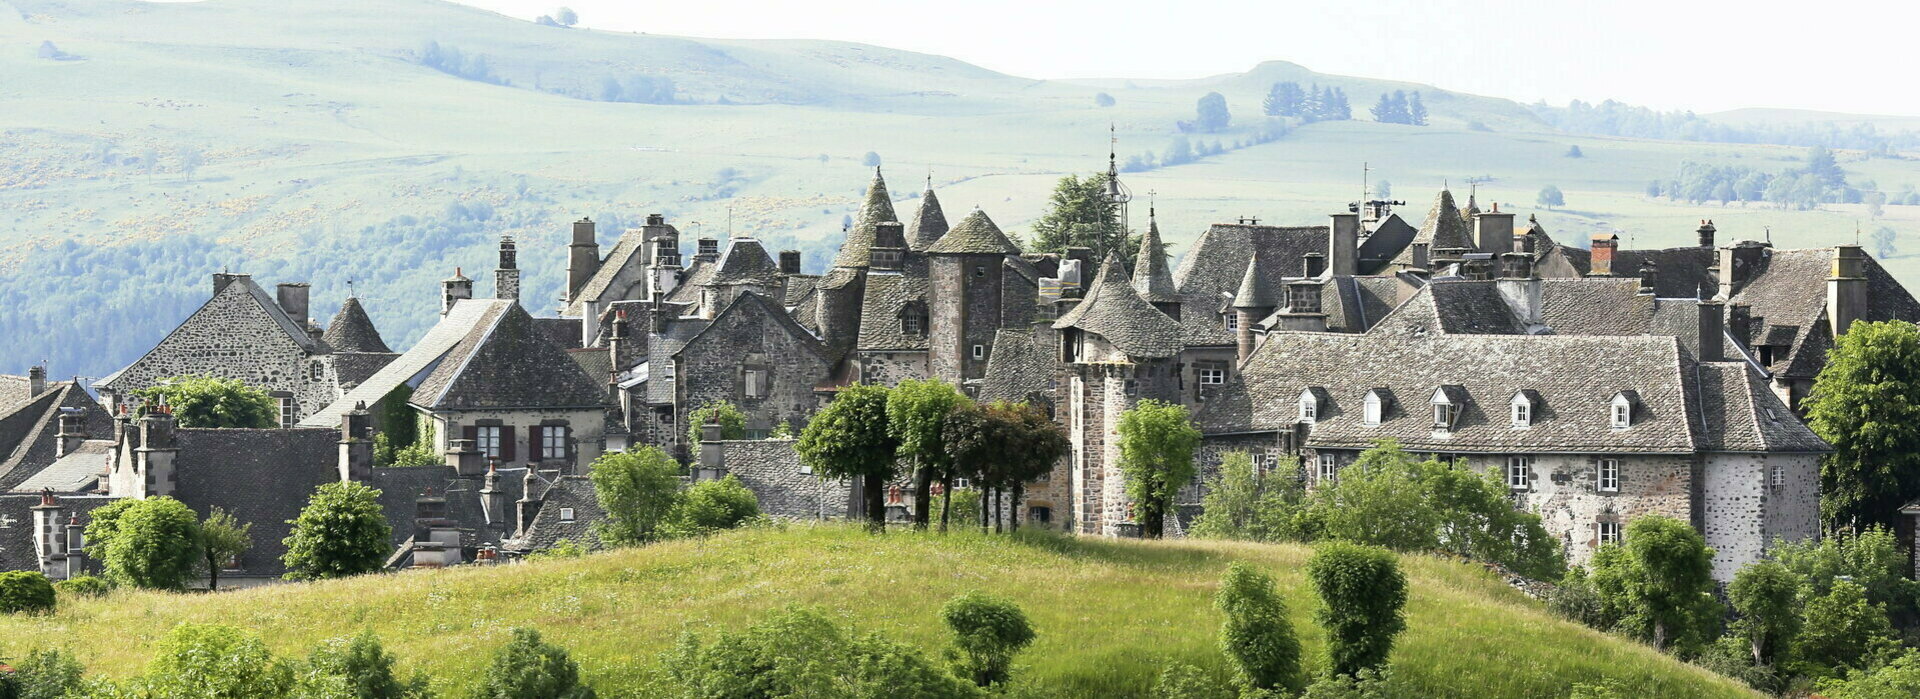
<point x="1109" y="613"/>
<point x="148" y="145"/>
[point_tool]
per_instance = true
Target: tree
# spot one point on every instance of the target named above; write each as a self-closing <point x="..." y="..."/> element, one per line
<point x="204" y="401"/>
<point x="1844" y="630"/>
<point x="225" y="539"/>
<point x="1821" y="164"/>
<point x="1416" y="111"/>
<point x="566" y="17"/>
<point x="530" y="668"/>
<point x="1573" y="151"/>
<point x="1156" y="442"/>
<point x="1386" y="111"/>
<point x="987" y="632"/>
<point x="1866" y="403"/>
<point x="917" y="412"/>
<point x="341" y="532"/>
<point x="1362" y="593"/>
<point x="871" y="159"/>
<point x="711" y="506"/>
<point x="25" y="591"/>
<point x="1102" y="100"/>
<point x="1210" y="113"/>
<point x="1874" y="559"/>
<point x="1764" y="593"/>
<point x="1550" y="197"/>
<point x="637" y="489"/>
<point x="1257" y="638"/>
<point x="1079" y="213"/>
<point x="358" y="667"/>
<point x="1899" y="679"/>
<point x="1284" y="99"/>
<point x="973" y="448"/>
<point x="214" y="661"/>
<point x="1658" y="580"/>
<point x="849" y="439"/>
<point x="1882" y="241"/>
<point x="800" y="653"/>
<point x="155" y="544"/>
<point x="1034" y="443"/>
<point x="1377" y="500"/>
<point x="733" y="423"/>
<point x="1242" y="503"/>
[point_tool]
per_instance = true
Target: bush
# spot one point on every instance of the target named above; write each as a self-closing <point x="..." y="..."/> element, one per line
<point x="25" y="591"/>
<point x="1183" y="681"/>
<point x="83" y="586"/>
<point x="710" y="506"/>
<point x="341" y="532"/>
<point x="1257" y="638"/>
<point x="1731" y="657"/>
<point x="155" y="544"/>
<point x="799" y="653"/>
<point x="1899" y="679"/>
<point x="1362" y="593"/>
<point x="529" y="668"/>
<point x="204" y="401"/>
<point x="1574" y="599"/>
<point x="987" y="632"/>
<point x="357" y="667"/>
<point x="1843" y="630"/>
<point x="638" y="490"/>
<point x="1367" y="684"/>
<point x="46" y="674"/>
<point x="563" y="548"/>
<point x="212" y="660"/>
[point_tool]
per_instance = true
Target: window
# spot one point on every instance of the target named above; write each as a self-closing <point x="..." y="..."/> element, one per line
<point x="1211" y="374"/>
<point x="805" y="469"/>
<point x="1522" y="406"/>
<point x="288" y="411"/>
<point x="1446" y="402"/>
<point x="1609" y="532"/>
<point x="1778" y="477"/>
<point x="1622" y="413"/>
<point x="566" y="514"/>
<point x="1233" y="321"/>
<point x="980" y="270"/>
<point x="1265" y="462"/>
<point x="666" y="370"/>
<point x="979" y="351"/>
<point x="756" y="383"/>
<point x="1309" y="406"/>
<point x="1519" y="472"/>
<point x="1608" y="478"/>
<point x="1370" y="413"/>
<point x="553" y="441"/>
<point x="486" y="438"/>
<point x="317" y="371"/>
<point x="1443" y="415"/>
<point x="1042" y="515"/>
<point x="912" y="324"/>
<point x="1329" y="467"/>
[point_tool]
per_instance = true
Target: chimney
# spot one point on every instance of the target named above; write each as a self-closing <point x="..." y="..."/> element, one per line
<point x="1600" y="260"/>
<point x="293" y="300"/>
<point x="454" y="289"/>
<point x="76" y="540"/>
<point x="1706" y="233"/>
<point x="529" y="504"/>
<point x="656" y="219"/>
<point x="464" y="458"/>
<point x="506" y="276"/>
<point x="1847" y="288"/>
<point x="583" y="256"/>
<point x="713" y="460"/>
<point x="1312" y="264"/>
<point x="789" y="262"/>
<point x="1739" y="317"/>
<point x="1713" y="331"/>
<point x="617" y="339"/>
<point x="1737" y="264"/>
<point x="1343" y="244"/>
<point x="493" y="500"/>
<point x="73" y="431"/>
<point x="1420" y="257"/>
<point x="709" y="250"/>
<point x="1516" y="265"/>
<point x="155" y="456"/>
<point x="36" y="380"/>
<point x="222" y="279"/>
<point x="889" y="245"/>
<point x="356" y="445"/>
<point x="1493" y="230"/>
<point x="1649" y="278"/>
<point x="436" y="539"/>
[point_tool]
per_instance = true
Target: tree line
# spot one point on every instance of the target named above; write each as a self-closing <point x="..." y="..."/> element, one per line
<point x="1311" y="104"/>
<point x="1820" y="181"/>
<point x="1400" y="107"/>
<point x="1611" y="118"/>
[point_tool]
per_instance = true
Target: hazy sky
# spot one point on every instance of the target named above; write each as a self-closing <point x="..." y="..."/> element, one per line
<point x="1836" y="55"/>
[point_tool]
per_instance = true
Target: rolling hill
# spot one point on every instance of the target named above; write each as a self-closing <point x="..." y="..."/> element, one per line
<point x="386" y="142"/>
<point x="1109" y="613"/>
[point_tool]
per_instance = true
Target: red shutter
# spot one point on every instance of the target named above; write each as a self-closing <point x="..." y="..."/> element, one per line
<point x="506" y="443"/>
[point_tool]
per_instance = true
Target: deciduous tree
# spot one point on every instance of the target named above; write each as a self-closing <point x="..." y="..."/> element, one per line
<point x="917" y="411"/>
<point x="341" y="532"/>
<point x="849" y="439"/>
<point x="1764" y="593"/>
<point x="225" y="539"/>
<point x="987" y="632"/>
<point x="1866" y="403"/>
<point x="1156" y="442"/>
<point x="204" y="401"/>
<point x="1362" y="593"/>
<point x="638" y="490"/>
<point x="155" y="544"/>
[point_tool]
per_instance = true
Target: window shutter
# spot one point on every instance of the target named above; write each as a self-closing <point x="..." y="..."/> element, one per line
<point x="566" y="435"/>
<point x="506" y="443"/>
<point x="470" y="433"/>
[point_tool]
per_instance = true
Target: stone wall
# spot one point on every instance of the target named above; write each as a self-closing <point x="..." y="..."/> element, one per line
<point x="963" y="310"/>
<point x="1744" y="512"/>
<point x="1097" y="395"/>
<point x="233" y="337"/>
<point x="713" y="367"/>
<point x="785" y="487"/>
<point x="890" y="368"/>
<point x="589" y="437"/>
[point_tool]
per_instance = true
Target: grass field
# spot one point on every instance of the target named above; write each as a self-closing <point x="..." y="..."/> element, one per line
<point x="1109" y="613"/>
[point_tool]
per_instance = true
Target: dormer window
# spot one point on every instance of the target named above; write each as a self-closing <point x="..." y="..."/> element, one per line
<point x="1447" y="402"/>
<point x="913" y="319"/>
<point x="1375" y="407"/>
<point x="1522" y="408"/>
<point x="1622" y="410"/>
<point x="1309" y="406"/>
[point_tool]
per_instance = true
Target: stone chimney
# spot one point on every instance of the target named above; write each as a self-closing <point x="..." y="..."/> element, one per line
<point x="1739" y="318"/>
<point x="790" y="262"/>
<point x="617" y="339"/>
<point x="436" y="539"/>
<point x="293" y="299"/>
<point x="1713" y="331"/>
<point x="1706" y="233"/>
<point x="1737" y="265"/>
<point x="153" y="460"/>
<point x="454" y="289"/>
<point x="36" y="380"/>
<point x="1600" y="259"/>
<point x="1312" y="264"/>
<point x="1343" y="244"/>
<point x="583" y="256"/>
<point x="49" y="540"/>
<point x="1516" y="265"/>
<point x="73" y="431"/>
<point x="1847" y="288"/>
<point x="889" y="247"/>
<point x="222" y="279"/>
<point x="493" y="500"/>
<point x="466" y="460"/>
<point x="713" y="459"/>
<point x="506" y="276"/>
<point x="356" y="445"/>
<point x="1649" y="278"/>
<point x="709" y="250"/>
<point x="1493" y="230"/>
<point x="529" y="505"/>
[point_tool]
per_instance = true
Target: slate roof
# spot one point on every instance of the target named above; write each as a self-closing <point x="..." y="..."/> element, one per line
<point x="928" y="225"/>
<point x="1020" y="367"/>
<point x="631" y="242"/>
<point x="467" y="317"/>
<point x="691" y="280"/>
<point x="886" y="294"/>
<point x="13" y="391"/>
<point x="547" y="529"/>
<point x="401" y="488"/>
<point x="507" y="363"/>
<point x="1113" y="311"/>
<point x="263" y="477"/>
<point x="1256" y="290"/>
<point x="975" y="234"/>
<point x="80" y="471"/>
<point x="352" y="331"/>
<point x="1388" y="238"/>
<point x="17" y="550"/>
<point x="240" y="286"/>
<point x="773" y="311"/>
<point x="593" y="361"/>
<point x="1788" y="289"/>
<point x="1576" y="377"/>
<point x="353" y="368"/>
<point x="857" y="250"/>
<point x="1215" y="264"/>
<point x="564" y="332"/>
<point x="1151" y="276"/>
<point x="1445" y="227"/>
<point x="1740" y="413"/>
<point x="29" y="434"/>
<point x="799" y="288"/>
<point x="661" y="349"/>
<point x="745" y="261"/>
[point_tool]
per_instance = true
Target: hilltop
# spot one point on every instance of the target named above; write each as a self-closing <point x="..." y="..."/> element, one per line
<point x="1109" y="613"/>
<point x="386" y="142"/>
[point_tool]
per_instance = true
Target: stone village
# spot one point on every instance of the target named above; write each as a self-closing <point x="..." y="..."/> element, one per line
<point x="1600" y="383"/>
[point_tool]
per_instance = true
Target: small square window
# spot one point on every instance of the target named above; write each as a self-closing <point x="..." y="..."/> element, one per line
<point x="1519" y="472"/>
<point x="912" y="324"/>
<point x="1609" y="532"/>
<point x="756" y="383"/>
<point x="1608" y="478"/>
<point x="1212" y="375"/>
<point x="566" y="514"/>
<point x="1233" y="321"/>
<point x="1522" y="414"/>
<point x="1778" y="477"/>
<point x="317" y="371"/>
<point x="979" y="351"/>
<point x="806" y="469"/>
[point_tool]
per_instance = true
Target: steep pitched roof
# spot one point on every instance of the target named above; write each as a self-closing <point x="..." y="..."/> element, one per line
<point x="887" y="293"/>
<point x="928" y="225"/>
<point x="573" y="494"/>
<point x="29" y="434"/>
<point x="1113" y="311"/>
<point x="1256" y="290"/>
<point x="857" y="250"/>
<point x="1151" y="277"/>
<point x="1215" y="264"/>
<point x="745" y="261"/>
<point x="1020" y="367"/>
<point x="352" y="331"/>
<point x="631" y="243"/>
<point x="769" y="306"/>
<point x="507" y="363"/>
<point x="241" y="294"/>
<point x="263" y="477"/>
<point x="975" y="234"/>
<point x="466" y="318"/>
<point x="1740" y="413"/>
<point x="1788" y="289"/>
<point x="1445" y="227"/>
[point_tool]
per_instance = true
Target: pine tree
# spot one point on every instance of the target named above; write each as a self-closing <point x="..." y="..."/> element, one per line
<point x="1341" y="110"/>
<point x="1416" y="111"/>
<point x="1383" y="110"/>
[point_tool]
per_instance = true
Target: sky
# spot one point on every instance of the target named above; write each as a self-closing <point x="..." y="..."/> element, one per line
<point x="1832" y="55"/>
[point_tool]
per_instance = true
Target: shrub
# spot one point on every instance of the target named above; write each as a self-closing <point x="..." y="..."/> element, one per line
<point x="1257" y="638"/>
<point x="1366" y="684"/>
<point x="638" y="490"/>
<point x="1730" y="656"/>
<point x="733" y="423"/>
<point x="1844" y="630"/>
<point x="204" y="401"/>
<point x="1183" y="681"/>
<point x="216" y="661"/>
<point x="1362" y="593"/>
<point x="357" y="667"/>
<point x="1899" y="679"/>
<point x="155" y="544"/>
<point x="25" y="591"/>
<point x="46" y="674"/>
<point x="799" y="653"/>
<point x="83" y="586"/>
<point x="710" y="506"/>
<point x="987" y="632"/>
<point x="529" y="668"/>
<point x="563" y="548"/>
<point x="342" y="531"/>
<point x="1574" y="599"/>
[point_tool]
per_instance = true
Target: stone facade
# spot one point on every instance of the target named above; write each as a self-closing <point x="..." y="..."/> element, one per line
<point x="1753" y="500"/>
<point x="964" y="310"/>
<point x="786" y="488"/>
<point x="752" y="342"/>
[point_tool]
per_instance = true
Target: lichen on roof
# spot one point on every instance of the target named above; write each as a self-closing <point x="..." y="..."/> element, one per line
<point x="1113" y="311"/>
<point x="857" y="250"/>
<point x="976" y="234"/>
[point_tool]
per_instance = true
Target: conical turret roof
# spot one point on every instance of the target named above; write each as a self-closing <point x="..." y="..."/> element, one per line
<point x="1114" y="311"/>
<point x="857" y="250"/>
<point x="929" y="225"/>
<point x="1445" y="227"/>
<point x="976" y="234"/>
<point x="1151" y="276"/>
<point x="352" y="331"/>
<point x="1255" y="291"/>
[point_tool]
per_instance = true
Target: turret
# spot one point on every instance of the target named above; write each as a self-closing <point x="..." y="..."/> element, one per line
<point x="965" y="270"/>
<point x="1151" y="277"/>
<point x="583" y="256"/>
<point x="1253" y="302"/>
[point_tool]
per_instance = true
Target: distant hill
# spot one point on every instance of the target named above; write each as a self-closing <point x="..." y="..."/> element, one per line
<point x="1769" y="116"/>
<point x="1109" y="614"/>
<point x="145" y="146"/>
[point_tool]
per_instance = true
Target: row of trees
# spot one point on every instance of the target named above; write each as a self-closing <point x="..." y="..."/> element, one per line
<point x="1611" y="118"/>
<point x="1400" y="107"/>
<point x="1820" y="181"/>
<point x="1287" y="99"/>
<point x="641" y="492"/>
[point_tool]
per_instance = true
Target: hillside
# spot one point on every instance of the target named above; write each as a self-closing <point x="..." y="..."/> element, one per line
<point x="1109" y="613"/>
<point x="385" y="142"/>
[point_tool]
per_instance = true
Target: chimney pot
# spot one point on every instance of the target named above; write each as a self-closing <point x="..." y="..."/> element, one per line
<point x="36" y="380"/>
